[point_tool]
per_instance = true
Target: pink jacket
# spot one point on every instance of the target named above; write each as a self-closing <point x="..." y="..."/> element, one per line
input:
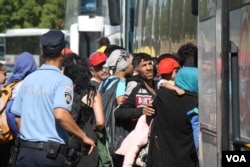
<point x="132" y="143"/>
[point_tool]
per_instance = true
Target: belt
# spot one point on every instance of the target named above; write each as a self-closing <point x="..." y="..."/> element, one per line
<point x="42" y="146"/>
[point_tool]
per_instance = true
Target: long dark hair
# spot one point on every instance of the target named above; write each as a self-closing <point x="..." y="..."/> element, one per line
<point x="77" y="69"/>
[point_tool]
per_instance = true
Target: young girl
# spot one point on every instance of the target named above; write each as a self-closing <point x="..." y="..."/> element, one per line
<point x="3" y="75"/>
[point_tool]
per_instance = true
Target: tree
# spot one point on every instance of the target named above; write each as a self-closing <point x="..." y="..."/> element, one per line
<point x="32" y="14"/>
<point x="5" y="19"/>
<point x="53" y="14"/>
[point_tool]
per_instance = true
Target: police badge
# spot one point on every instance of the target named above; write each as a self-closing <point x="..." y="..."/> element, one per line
<point x="68" y="97"/>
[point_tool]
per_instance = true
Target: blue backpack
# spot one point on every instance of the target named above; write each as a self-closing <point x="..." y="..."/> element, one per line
<point x="194" y="118"/>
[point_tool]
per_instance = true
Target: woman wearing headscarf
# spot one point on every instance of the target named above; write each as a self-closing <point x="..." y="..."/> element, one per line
<point x="171" y="139"/>
<point x="25" y="64"/>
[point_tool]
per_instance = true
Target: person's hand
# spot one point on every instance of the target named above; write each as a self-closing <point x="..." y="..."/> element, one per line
<point x="180" y="91"/>
<point x="148" y="110"/>
<point x="90" y="142"/>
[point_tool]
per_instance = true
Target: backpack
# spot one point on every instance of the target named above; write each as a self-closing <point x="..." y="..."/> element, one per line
<point x="194" y="119"/>
<point x="102" y="146"/>
<point x="105" y="143"/>
<point x="5" y="132"/>
<point x="115" y="133"/>
<point x="105" y="159"/>
<point x="109" y="49"/>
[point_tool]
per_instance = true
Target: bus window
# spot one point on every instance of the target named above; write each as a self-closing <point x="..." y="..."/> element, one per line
<point x="90" y="7"/>
<point x="2" y="45"/>
<point x="16" y="45"/>
<point x="1" y="52"/>
<point x="114" y="12"/>
<point x="24" y="39"/>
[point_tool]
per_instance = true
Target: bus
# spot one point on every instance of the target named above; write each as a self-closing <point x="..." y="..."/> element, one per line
<point x="25" y="39"/>
<point x="84" y="21"/>
<point x="89" y="20"/>
<point x="2" y="46"/>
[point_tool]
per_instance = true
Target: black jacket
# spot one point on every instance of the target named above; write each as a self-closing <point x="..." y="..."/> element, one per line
<point x="129" y="112"/>
<point x="171" y="138"/>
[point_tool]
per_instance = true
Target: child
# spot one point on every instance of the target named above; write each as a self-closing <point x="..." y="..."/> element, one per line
<point x="3" y="75"/>
<point x="167" y="69"/>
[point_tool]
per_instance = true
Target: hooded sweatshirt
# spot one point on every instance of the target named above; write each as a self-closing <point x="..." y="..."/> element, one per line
<point x="25" y="64"/>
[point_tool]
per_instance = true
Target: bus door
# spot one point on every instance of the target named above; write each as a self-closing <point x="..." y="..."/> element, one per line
<point x="209" y="83"/>
<point x="224" y="92"/>
<point x="90" y="26"/>
<point x="240" y="38"/>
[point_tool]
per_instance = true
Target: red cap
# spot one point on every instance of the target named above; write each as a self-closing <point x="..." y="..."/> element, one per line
<point x="167" y="65"/>
<point x="97" y="58"/>
<point x="67" y="51"/>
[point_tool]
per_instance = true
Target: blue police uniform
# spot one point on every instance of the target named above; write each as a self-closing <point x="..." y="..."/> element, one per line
<point x="40" y="93"/>
<point x="36" y="101"/>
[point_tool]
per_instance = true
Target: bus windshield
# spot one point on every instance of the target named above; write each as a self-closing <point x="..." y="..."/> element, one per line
<point x="18" y="44"/>
<point x="90" y="7"/>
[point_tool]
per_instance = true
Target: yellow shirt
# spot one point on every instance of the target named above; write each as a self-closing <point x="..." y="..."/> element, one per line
<point x="101" y="49"/>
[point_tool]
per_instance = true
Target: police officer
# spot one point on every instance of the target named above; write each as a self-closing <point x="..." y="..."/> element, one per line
<point x="42" y="108"/>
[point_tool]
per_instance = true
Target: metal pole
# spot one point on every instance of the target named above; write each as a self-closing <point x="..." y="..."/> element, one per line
<point x="225" y="75"/>
<point x="235" y="95"/>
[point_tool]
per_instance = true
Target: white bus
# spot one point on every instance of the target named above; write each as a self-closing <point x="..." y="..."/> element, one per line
<point x="26" y="39"/>
<point x="89" y="20"/>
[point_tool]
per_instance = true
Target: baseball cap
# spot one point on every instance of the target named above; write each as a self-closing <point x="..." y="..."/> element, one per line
<point x="53" y="41"/>
<point x="119" y="60"/>
<point x="67" y="51"/>
<point x="167" y="65"/>
<point x="97" y="58"/>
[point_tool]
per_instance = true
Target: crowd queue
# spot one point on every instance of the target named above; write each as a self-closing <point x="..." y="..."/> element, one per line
<point x="117" y="109"/>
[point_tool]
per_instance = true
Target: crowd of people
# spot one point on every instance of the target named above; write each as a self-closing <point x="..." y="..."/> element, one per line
<point x="59" y="113"/>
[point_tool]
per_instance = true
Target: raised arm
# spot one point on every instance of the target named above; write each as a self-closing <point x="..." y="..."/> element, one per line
<point x="98" y="111"/>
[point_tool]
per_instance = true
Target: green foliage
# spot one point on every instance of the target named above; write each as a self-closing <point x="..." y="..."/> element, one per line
<point x="32" y="14"/>
<point x="53" y="14"/>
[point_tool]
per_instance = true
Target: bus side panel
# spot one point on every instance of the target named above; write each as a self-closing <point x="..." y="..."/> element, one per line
<point x="210" y="33"/>
<point x="209" y="83"/>
<point x="240" y="35"/>
<point x="207" y="91"/>
<point x="163" y="26"/>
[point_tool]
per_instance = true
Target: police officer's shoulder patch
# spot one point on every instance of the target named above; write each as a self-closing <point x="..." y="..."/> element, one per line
<point x="68" y="94"/>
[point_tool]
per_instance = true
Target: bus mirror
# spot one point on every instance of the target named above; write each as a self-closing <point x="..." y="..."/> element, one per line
<point x="132" y="19"/>
<point x="114" y="12"/>
<point x="194" y="7"/>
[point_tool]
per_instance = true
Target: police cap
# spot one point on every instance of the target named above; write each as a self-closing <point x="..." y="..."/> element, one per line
<point x="53" y="41"/>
